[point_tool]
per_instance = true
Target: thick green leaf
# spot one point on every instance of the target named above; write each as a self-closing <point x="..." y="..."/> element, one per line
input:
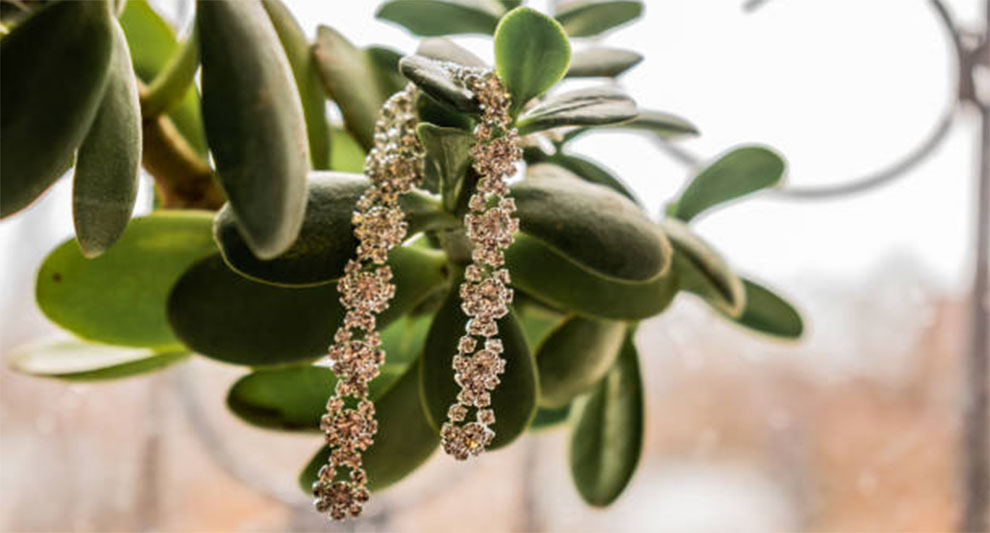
<point x="575" y="356"/>
<point x="442" y="49"/>
<point x="62" y="45"/>
<point x="595" y="106"/>
<point x="352" y="78"/>
<point x="549" y="276"/>
<point x="404" y="440"/>
<point x="442" y="17"/>
<point x="607" y="438"/>
<point x="587" y="18"/>
<point x="227" y="317"/>
<point x="105" y="184"/>
<point x="703" y="271"/>
<point x="438" y="82"/>
<point x="515" y="398"/>
<point x="738" y="173"/>
<point x="254" y="122"/>
<point x="602" y="61"/>
<point x="152" y="44"/>
<point x="433" y="112"/>
<point x="304" y="69"/>
<point x="664" y="125"/>
<point x="593" y="226"/>
<point x="549" y="418"/>
<point x="386" y="63"/>
<point x="405" y="338"/>
<point x="450" y="150"/>
<point x="326" y="241"/>
<point x="119" y="297"/>
<point x="76" y="360"/>
<point x="536" y="319"/>
<point x="347" y="155"/>
<point x="581" y="167"/>
<point x="768" y="313"/>
<point x="532" y="54"/>
<point x="151" y="39"/>
<point x="295" y="397"/>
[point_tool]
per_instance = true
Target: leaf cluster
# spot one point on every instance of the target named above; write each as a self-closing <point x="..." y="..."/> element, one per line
<point x="251" y="283"/>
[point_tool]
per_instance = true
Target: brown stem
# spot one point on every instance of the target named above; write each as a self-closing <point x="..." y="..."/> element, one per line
<point x="182" y="178"/>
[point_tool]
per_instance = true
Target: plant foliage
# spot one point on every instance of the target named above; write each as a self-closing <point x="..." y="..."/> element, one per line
<point x="255" y="188"/>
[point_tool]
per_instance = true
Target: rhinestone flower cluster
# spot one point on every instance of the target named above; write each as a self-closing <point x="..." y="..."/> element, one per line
<point x="394" y="166"/>
<point x="485" y="295"/>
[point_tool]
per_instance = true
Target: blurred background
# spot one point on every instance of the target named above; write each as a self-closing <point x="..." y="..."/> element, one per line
<point x="855" y="428"/>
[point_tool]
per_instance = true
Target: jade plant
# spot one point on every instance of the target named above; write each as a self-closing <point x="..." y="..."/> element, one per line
<point x="255" y="192"/>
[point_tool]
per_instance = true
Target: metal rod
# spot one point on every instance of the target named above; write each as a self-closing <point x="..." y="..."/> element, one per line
<point x="975" y="446"/>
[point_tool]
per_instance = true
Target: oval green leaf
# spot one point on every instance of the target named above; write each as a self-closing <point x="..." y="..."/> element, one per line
<point x="607" y="437"/>
<point x="106" y="180"/>
<point x="575" y="356"/>
<point x="738" y="173"/>
<point x="443" y="17"/>
<point x="536" y="319"/>
<point x="326" y="241"/>
<point x="593" y="226"/>
<point x="311" y="93"/>
<point x="433" y="112"/>
<point x="347" y="155"/>
<point x="595" y="106"/>
<point x="442" y="49"/>
<point x="587" y="18"/>
<point x="547" y="275"/>
<point x="405" y="439"/>
<point x="254" y="122"/>
<point x="532" y="54"/>
<point x="768" y="313"/>
<point x="65" y="44"/>
<point x="119" y="297"/>
<point x="702" y="270"/>
<point x="450" y="150"/>
<point x="515" y="398"/>
<point x="352" y="79"/>
<point x="152" y="44"/>
<point x="76" y="360"/>
<point x="224" y="316"/>
<point x="438" y="82"/>
<point x="583" y="168"/>
<point x="602" y="61"/>
<point x="549" y="418"/>
<point x="293" y="398"/>
<point x="664" y="125"/>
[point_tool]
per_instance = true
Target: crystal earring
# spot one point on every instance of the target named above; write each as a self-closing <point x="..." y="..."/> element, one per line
<point x="485" y="295"/>
<point x="394" y="166"/>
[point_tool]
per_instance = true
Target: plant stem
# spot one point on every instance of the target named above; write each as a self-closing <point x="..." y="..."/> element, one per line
<point x="182" y="178"/>
<point x="172" y="82"/>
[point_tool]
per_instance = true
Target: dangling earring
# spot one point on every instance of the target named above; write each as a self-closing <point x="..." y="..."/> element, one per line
<point x="394" y="166"/>
<point x="485" y="295"/>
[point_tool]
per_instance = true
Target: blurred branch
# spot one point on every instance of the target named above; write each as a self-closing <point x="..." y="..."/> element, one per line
<point x="976" y="469"/>
<point x="893" y="171"/>
<point x="899" y="167"/>
<point x="753" y="5"/>
<point x="976" y="460"/>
